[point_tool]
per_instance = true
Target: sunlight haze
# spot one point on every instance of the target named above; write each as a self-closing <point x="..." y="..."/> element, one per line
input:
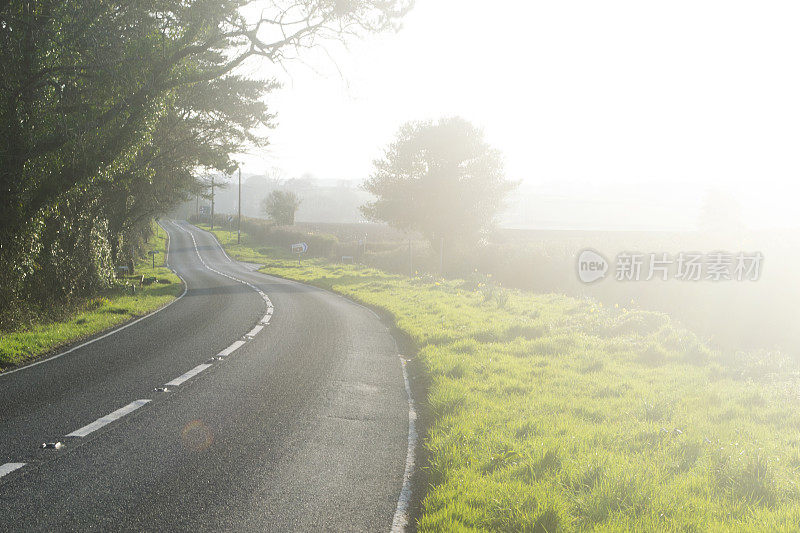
<point x="659" y="103"/>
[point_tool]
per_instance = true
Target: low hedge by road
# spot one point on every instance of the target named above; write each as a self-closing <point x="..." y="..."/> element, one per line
<point x="110" y="308"/>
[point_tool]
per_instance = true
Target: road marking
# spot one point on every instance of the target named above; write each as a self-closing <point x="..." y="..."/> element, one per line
<point x="221" y="248"/>
<point x="264" y="321"/>
<point x="230" y="349"/>
<point x="10" y="467"/>
<point x="117" y="330"/>
<point x="400" y="520"/>
<point x="197" y="251"/>
<point x="113" y="331"/>
<point x="190" y="374"/>
<point x="253" y="332"/>
<point x="104" y="421"/>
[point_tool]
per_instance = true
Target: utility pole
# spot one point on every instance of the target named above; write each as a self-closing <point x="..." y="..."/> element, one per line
<point x="239" y="224"/>
<point x="212" y="203"/>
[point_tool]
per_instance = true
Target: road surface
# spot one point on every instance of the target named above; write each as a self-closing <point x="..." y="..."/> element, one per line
<point x="302" y="425"/>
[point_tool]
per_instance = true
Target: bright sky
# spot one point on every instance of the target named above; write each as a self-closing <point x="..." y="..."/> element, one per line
<point x="639" y="102"/>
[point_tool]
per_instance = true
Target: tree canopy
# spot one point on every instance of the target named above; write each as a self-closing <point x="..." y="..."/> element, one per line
<point x="440" y="178"/>
<point x="110" y="109"/>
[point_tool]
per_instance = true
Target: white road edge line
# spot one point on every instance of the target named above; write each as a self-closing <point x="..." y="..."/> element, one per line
<point x="190" y="374"/>
<point x="267" y="301"/>
<point x="104" y="421"/>
<point x="113" y="331"/>
<point x="400" y="520"/>
<point x="10" y="467"/>
<point x="220" y="247"/>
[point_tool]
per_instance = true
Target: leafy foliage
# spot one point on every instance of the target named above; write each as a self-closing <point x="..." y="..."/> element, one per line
<point x="56" y="325"/>
<point x="110" y="109"/>
<point x="280" y="206"/>
<point x="439" y="178"/>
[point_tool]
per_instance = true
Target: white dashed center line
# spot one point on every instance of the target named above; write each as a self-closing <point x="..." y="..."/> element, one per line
<point x="7" y="468"/>
<point x="190" y="374"/>
<point x="10" y="467"/>
<point x="253" y="332"/>
<point x="100" y="422"/>
<point x="230" y="349"/>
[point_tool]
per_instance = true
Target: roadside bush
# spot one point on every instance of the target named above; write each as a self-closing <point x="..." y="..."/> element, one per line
<point x="64" y="254"/>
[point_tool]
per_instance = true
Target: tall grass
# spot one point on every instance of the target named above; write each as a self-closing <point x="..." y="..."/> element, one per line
<point x="555" y="413"/>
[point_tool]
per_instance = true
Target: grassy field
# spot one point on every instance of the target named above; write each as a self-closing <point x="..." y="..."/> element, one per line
<point x="553" y="413"/>
<point x="731" y="315"/>
<point x="110" y="308"/>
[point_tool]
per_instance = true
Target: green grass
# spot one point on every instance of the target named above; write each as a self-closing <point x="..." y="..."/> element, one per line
<point x="552" y="413"/>
<point x="247" y="250"/>
<point x="109" y="308"/>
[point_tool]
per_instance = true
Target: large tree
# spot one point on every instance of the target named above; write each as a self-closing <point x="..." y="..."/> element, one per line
<point x="83" y="81"/>
<point x="440" y="178"/>
<point x="110" y="109"/>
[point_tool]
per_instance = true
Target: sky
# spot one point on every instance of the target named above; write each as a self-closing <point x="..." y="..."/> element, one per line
<point x="617" y="115"/>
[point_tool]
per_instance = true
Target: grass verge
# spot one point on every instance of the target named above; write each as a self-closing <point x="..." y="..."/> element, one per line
<point x="110" y="308"/>
<point x="247" y="250"/>
<point x="552" y="413"/>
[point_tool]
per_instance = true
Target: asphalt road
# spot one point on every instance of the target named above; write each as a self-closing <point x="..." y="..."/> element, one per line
<point x="304" y="427"/>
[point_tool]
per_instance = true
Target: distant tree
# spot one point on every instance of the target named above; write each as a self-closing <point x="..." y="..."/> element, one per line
<point x="280" y="206"/>
<point x="441" y="179"/>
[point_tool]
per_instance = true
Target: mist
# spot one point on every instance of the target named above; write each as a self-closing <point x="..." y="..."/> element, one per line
<point x="398" y="265"/>
<point x="636" y="106"/>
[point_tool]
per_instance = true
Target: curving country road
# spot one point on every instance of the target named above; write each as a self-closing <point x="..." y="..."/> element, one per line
<point x="301" y="426"/>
